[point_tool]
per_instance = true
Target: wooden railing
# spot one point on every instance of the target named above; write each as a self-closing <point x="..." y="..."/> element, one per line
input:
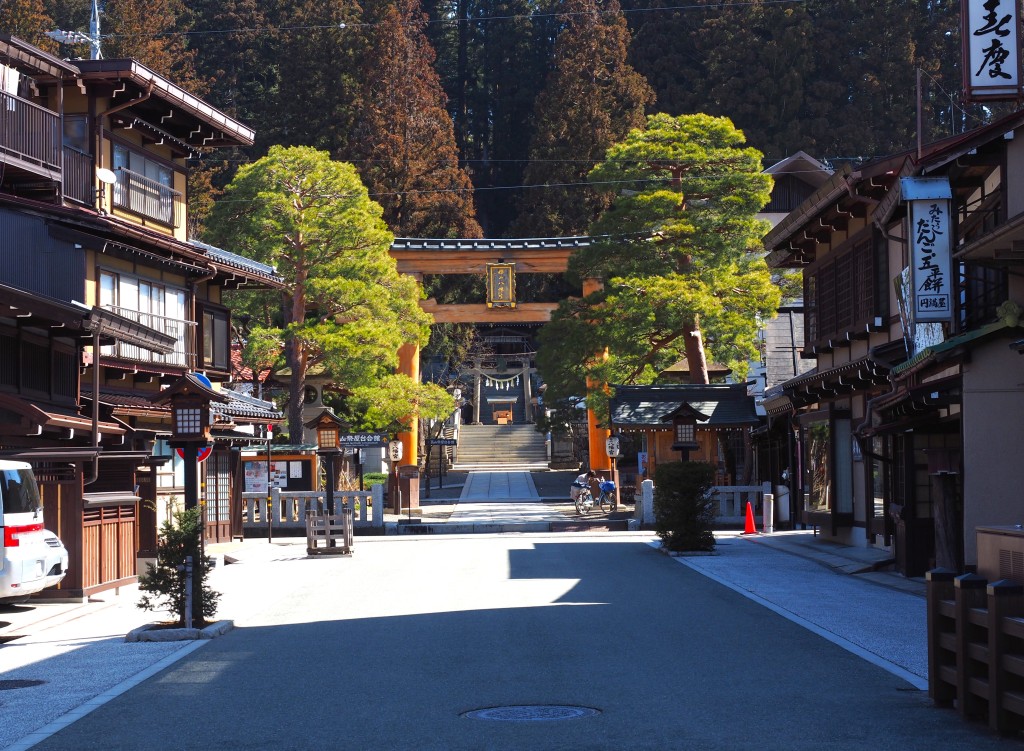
<point x="288" y="509"/>
<point x="29" y="132"/>
<point x="976" y="647"/>
<point x="149" y="198"/>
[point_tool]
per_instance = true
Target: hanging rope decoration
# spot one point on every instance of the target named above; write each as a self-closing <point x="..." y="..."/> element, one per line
<point x="502" y="384"/>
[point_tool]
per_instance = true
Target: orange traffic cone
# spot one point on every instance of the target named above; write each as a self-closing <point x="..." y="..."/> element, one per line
<point x="750" y="529"/>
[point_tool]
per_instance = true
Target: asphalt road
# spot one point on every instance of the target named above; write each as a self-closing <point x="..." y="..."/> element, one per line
<point x="389" y="649"/>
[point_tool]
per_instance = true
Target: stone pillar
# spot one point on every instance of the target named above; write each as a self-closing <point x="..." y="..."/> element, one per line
<point x="476" y="392"/>
<point x="528" y="393"/>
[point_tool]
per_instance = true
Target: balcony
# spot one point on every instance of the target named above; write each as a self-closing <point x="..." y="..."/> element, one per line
<point x="30" y="134"/>
<point x="147" y="198"/>
<point x="181" y="357"/>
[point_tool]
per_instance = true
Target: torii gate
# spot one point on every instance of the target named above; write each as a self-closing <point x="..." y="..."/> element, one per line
<point x="417" y="257"/>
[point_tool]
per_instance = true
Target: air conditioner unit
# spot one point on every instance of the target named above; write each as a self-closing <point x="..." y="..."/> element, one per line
<point x="1001" y="553"/>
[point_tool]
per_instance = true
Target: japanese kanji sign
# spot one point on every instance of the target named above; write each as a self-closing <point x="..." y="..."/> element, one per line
<point x="991" y="49"/>
<point x="930" y="231"/>
<point x="501" y="285"/>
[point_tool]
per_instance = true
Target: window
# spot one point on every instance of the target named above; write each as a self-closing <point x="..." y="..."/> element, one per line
<point x="150" y="304"/>
<point x="76" y="133"/>
<point x="845" y="291"/>
<point x="828" y="464"/>
<point x="216" y="339"/>
<point x="144" y="186"/>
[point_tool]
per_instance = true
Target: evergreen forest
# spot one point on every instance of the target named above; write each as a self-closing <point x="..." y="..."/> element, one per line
<point x="484" y="117"/>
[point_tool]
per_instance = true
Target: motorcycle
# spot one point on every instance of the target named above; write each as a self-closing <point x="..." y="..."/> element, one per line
<point x="583" y="498"/>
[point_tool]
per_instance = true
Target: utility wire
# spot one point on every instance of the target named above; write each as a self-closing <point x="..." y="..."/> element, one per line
<point x="342" y="25"/>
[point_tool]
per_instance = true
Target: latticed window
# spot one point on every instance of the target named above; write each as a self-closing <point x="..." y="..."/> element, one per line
<point x="844" y="292"/>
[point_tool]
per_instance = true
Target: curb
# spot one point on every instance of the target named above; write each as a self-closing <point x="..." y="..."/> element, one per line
<point x="152" y="633"/>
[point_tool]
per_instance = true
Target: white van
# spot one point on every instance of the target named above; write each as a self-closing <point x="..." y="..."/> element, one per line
<point x="31" y="558"/>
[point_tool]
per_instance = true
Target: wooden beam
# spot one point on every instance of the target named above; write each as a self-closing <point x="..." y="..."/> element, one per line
<point x="527" y="260"/>
<point x="527" y="312"/>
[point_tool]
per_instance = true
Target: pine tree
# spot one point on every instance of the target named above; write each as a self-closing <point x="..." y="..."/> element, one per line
<point x="593" y="97"/>
<point x="403" y="138"/>
<point x="674" y="254"/>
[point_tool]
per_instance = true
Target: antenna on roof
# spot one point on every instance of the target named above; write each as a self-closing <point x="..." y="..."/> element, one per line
<point x="80" y="37"/>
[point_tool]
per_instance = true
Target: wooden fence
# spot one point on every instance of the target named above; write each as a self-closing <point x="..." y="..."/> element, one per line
<point x="288" y="509"/>
<point x="976" y="647"/>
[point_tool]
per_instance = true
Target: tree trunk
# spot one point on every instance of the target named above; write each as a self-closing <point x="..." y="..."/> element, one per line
<point x="695" y="356"/>
<point x="296" y="361"/>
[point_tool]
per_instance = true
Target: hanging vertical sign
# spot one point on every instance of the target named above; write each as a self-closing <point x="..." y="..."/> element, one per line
<point x="501" y="285"/>
<point x="928" y="201"/>
<point x="991" y="49"/>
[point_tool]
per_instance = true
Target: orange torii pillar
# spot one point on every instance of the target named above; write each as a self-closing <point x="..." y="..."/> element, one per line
<point x="409" y="364"/>
<point x="596" y="435"/>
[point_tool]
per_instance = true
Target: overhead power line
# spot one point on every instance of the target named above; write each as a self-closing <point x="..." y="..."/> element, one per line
<point x="342" y="25"/>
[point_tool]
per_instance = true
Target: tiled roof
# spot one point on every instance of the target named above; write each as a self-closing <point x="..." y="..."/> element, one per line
<point x="726" y="405"/>
<point x="522" y="243"/>
<point x="227" y="258"/>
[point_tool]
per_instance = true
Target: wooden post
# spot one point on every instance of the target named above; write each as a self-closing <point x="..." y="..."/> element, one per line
<point x="970" y="595"/>
<point x="1005" y="599"/>
<point x="940" y="590"/>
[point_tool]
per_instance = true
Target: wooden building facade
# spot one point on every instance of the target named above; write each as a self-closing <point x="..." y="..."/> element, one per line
<point x="104" y="298"/>
<point x="905" y="435"/>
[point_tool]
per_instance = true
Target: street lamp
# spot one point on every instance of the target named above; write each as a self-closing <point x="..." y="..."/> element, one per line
<point x="328" y="427"/>
<point x="190" y="398"/>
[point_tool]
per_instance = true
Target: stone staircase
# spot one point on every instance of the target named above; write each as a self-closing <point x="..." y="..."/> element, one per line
<point x="500" y="448"/>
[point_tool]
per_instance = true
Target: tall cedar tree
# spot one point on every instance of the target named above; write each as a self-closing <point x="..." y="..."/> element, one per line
<point x="403" y="140"/>
<point x="494" y="58"/>
<point x="345" y="307"/>
<point x="237" y="53"/>
<point x="313" y="100"/>
<point x="27" y="19"/>
<point x="678" y="262"/>
<point x="832" y="77"/>
<point x="150" y="31"/>
<point x="593" y="98"/>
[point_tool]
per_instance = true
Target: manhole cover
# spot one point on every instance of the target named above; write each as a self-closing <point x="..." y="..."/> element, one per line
<point x="8" y="685"/>
<point x="531" y="713"/>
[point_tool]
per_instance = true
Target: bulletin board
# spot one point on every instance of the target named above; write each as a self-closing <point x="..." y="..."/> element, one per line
<point x="291" y="473"/>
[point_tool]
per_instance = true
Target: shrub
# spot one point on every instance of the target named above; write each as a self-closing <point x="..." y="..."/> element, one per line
<point x="683" y="509"/>
<point x="164" y="584"/>
<point x="374" y="478"/>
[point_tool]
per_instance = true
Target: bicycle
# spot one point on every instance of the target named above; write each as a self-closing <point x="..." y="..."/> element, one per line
<point x="584" y="500"/>
<point x="607" y="497"/>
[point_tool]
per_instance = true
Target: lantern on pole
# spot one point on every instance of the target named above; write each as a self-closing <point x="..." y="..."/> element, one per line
<point x="189" y="398"/>
<point x="329" y="428"/>
<point x="395" y="456"/>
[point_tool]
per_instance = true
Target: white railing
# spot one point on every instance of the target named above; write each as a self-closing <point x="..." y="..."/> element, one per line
<point x="733" y="499"/>
<point x="181" y="356"/>
<point x="288" y="509"/>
